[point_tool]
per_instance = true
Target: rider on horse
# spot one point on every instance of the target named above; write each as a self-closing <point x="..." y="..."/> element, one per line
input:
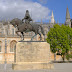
<point x="27" y="17"/>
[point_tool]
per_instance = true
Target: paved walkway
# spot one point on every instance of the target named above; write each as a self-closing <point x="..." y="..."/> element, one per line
<point x="59" y="67"/>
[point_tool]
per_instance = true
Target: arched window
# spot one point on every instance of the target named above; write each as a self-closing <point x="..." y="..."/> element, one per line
<point x="0" y="46"/>
<point x="12" y="45"/>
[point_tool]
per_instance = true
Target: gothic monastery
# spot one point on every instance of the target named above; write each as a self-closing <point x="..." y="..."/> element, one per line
<point x="8" y="37"/>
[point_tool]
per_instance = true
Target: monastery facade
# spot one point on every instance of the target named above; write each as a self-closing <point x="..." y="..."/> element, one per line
<point x="8" y="37"/>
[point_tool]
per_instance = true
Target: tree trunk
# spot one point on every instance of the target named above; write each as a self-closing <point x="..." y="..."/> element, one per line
<point x="63" y="58"/>
<point x="54" y="56"/>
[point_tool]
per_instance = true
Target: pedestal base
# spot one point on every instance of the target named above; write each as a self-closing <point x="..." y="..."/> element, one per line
<point x="30" y="66"/>
<point x="32" y="55"/>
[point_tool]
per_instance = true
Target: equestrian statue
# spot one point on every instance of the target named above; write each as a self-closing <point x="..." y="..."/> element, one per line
<point x="27" y="26"/>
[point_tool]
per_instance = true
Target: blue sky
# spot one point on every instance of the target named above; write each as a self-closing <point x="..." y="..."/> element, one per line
<point x="39" y="9"/>
<point x="58" y="7"/>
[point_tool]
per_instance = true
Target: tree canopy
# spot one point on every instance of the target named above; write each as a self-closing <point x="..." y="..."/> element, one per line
<point x="60" y="39"/>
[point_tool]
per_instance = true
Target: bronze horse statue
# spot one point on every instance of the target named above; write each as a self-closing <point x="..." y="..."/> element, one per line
<point x="22" y="27"/>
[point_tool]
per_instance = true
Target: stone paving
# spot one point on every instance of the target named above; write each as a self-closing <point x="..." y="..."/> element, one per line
<point x="59" y="67"/>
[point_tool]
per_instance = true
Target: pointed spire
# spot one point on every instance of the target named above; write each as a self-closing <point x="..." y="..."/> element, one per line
<point x="8" y="21"/>
<point x="52" y="18"/>
<point x="41" y="21"/>
<point x="67" y="13"/>
<point x="67" y="22"/>
<point x="52" y="14"/>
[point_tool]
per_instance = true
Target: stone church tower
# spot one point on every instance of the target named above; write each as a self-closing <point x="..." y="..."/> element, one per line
<point x="52" y="18"/>
<point x="67" y="22"/>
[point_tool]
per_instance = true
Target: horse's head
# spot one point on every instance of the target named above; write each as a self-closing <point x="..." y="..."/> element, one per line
<point x="13" y="22"/>
<point x="16" y="22"/>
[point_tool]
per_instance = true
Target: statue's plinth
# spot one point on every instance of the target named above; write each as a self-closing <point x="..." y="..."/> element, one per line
<point x="32" y="55"/>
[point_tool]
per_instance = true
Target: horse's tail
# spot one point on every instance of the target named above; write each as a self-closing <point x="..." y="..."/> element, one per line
<point x="42" y="30"/>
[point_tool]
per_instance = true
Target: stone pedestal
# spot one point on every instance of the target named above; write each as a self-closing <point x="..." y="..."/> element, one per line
<point x="32" y="55"/>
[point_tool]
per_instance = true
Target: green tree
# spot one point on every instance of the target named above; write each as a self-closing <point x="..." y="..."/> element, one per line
<point x="60" y="39"/>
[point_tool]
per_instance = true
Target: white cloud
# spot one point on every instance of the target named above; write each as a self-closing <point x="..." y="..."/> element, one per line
<point x="16" y="8"/>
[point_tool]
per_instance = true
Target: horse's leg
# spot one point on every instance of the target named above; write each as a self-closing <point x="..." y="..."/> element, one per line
<point x="22" y="35"/>
<point x="42" y="31"/>
<point x="17" y="33"/>
<point x="44" y="38"/>
<point x="40" y="36"/>
<point x="33" y="37"/>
